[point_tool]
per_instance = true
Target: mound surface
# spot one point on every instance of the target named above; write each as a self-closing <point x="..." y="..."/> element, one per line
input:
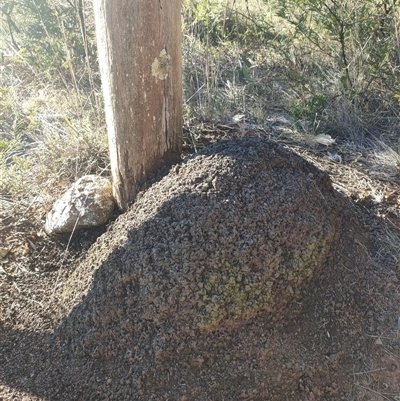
<point x="237" y="230"/>
<point x="229" y="279"/>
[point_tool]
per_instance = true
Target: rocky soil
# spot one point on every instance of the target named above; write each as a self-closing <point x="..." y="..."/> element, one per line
<point x="243" y="274"/>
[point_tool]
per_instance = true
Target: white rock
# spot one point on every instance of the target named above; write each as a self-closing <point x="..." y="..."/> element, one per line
<point x="88" y="203"/>
<point x="324" y="139"/>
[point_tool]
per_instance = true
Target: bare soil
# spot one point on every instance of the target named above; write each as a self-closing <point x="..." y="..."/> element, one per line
<point x="129" y="316"/>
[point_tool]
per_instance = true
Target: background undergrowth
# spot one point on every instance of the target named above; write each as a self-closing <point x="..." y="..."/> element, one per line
<point x="331" y="67"/>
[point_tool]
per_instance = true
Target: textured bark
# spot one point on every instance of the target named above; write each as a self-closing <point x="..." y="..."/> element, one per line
<point x="139" y="46"/>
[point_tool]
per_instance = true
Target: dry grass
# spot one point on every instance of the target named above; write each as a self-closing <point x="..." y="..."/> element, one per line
<point x="240" y="57"/>
<point x="49" y="151"/>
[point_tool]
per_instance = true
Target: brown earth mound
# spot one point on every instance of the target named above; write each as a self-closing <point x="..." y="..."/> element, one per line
<point x="236" y="230"/>
<point x="230" y="279"/>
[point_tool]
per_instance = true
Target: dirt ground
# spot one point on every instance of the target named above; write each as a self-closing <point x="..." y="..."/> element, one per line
<point x="338" y="339"/>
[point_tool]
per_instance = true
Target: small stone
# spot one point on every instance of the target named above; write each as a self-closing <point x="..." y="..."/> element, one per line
<point x="4" y="252"/>
<point x="88" y="203"/>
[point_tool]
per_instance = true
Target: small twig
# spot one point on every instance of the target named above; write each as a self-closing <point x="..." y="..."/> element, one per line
<point x="369" y="371"/>
<point x="195" y="93"/>
<point x="373" y="391"/>
<point x="36" y="302"/>
<point x="391" y="353"/>
<point x="15" y="285"/>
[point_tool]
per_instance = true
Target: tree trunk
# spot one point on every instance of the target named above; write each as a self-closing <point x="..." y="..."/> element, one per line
<point x="139" y="47"/>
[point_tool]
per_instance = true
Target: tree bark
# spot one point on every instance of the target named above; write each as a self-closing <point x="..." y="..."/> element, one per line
<point x="139" y="47"/>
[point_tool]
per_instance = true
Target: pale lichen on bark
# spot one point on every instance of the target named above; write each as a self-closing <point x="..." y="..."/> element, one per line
<point x="160" y="65"/>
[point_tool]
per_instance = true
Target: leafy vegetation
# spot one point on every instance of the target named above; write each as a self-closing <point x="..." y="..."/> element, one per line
<point x="334" y="66"/>
<point x="354" y="56"/>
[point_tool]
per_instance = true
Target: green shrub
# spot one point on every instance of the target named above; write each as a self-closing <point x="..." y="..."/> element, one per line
<point x="348" y="49"/>
<point x="49" y="36"/>
<point x="215" y="22"/>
